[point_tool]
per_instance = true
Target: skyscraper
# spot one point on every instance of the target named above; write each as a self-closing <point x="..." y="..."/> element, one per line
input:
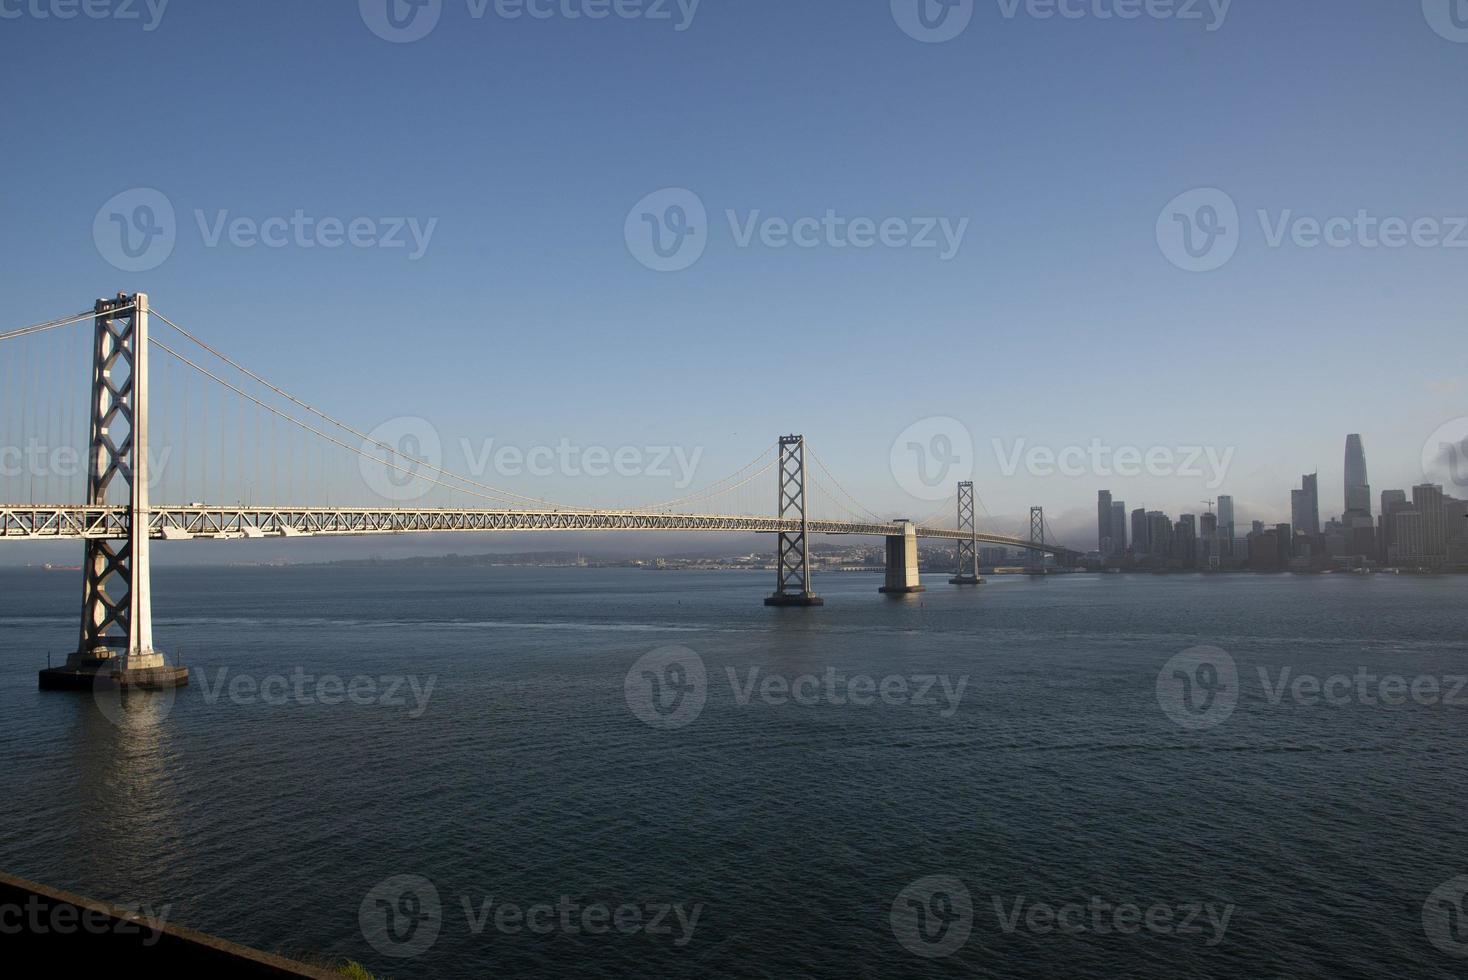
<point x="1305" y="505"/>
<point x="1358" y="487"/>
<point x="1118" y="529"/>
<point x="1140" y="542"/>
<point x="1226" y="514"/>
<point x="1427" y="500"/>
<point x="1103" y="522"/>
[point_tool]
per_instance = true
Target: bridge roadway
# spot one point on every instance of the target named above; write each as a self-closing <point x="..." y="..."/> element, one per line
<point x="184" y="523"/>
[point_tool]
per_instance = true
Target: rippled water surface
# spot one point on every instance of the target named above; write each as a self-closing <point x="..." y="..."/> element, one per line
<point x="516" y="772"/>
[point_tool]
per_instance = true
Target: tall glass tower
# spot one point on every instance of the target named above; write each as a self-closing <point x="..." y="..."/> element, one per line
<point x="1358" y="487"/>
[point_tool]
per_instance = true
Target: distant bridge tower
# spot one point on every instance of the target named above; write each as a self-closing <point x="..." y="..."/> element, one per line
<point x="792" y="558"/>
<point x="116" y="644"/>
<point x="967" y="572"/>
<point x="1037" y="537"/>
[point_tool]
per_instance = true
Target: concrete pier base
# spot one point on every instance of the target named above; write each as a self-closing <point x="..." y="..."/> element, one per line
<point x="966" y="580"/>
<point x="795" y="599"/>
<point x="902" y="563"/>
<point x="109" y="675"/>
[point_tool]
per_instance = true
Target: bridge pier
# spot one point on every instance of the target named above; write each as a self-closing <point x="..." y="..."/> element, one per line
<point x="902" y="563"/>
<point x="116" y="645"/>
<point x="792" y="555"/>
<point x="967" y="572"/>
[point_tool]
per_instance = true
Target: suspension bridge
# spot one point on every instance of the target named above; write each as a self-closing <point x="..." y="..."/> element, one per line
<point x="269" y="450"/>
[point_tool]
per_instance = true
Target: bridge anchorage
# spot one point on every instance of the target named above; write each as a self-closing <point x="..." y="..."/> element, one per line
<point x="967" y="572"/>
<point x="116" y="645"/>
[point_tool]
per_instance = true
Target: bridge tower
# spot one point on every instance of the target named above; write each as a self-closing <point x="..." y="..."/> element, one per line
<point x="1037" y="537"/>
<point x="116" y="644"/>
<point x="792" y="558"/>
<point x="967" y="572"/>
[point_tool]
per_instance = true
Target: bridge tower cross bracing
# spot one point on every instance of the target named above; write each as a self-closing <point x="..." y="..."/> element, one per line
<point x="967" y="571"/>
<point x="792" y="554"/>
<point x="115" y="648"/>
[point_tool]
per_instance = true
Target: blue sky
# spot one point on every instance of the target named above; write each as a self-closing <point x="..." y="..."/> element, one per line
<point x="529" y="319"/>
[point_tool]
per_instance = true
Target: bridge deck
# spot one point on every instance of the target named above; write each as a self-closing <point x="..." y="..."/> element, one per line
<point x="79" y="523"/>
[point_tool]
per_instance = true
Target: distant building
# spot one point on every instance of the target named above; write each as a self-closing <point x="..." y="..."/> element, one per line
<point x="1159" y="534"/>
<point x="1118" y="529"/>
<point x="1305" y="505"/>
<point x="1103" y="522"/>
<point x="1358" y="487"/>
<point x="1140" y="540"/>
<point x="1226" y="516"/>
<point x="1428" y="501"/>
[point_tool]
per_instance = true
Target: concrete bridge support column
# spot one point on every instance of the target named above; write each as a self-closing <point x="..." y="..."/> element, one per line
<point x="902" y="562"/>
<point x="116" y="645"/>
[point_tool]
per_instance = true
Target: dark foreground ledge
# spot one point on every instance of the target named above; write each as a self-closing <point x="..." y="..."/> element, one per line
<point x="73" y="933"/>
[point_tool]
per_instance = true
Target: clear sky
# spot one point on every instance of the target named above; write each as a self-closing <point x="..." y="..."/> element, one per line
<point x="1059" y="317"/>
